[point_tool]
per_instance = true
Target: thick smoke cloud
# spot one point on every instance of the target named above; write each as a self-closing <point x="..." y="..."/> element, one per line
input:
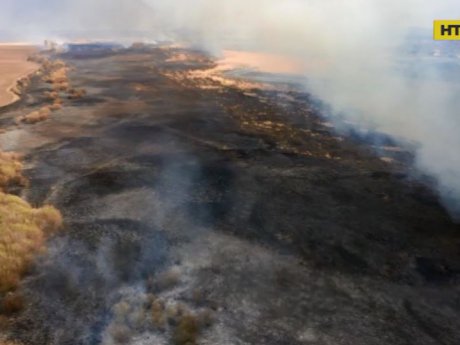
<point x="357" y="52"/>
<point x="355" y="49"/>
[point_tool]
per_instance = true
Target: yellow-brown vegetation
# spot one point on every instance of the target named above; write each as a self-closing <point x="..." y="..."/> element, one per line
<point x="64" y="86"/>
<point x="51" y="95"/>
<point x="76" y="93"/>
<point x="21" y="84"/>
<point x="36" y="116"/>
<point x="54" y="73"/>
<point x="55" y="106"/>
<point x="23" y="230"/>
<point x="57" y="76"/>
<point x="10" y="171"/>
<point x="187" y="330"/>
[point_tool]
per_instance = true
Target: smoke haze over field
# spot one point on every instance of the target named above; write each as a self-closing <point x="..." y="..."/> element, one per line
<point x="359" y="43"/>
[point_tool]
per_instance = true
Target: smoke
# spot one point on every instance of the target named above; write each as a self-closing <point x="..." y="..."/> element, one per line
<point x="356" y="51"/>
<point x="37" y="20"/>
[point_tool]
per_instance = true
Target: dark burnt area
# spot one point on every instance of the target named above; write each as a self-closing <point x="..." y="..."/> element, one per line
<point x="215" y="160"/>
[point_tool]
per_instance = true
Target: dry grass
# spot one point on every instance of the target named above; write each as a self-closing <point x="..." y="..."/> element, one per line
<point x="23" y="230"/>
<point x="57" y="76"/>
<point x="51" y="95"/>
<point x="76" y="93"/>
<point x="40" y="115"/>
<point x="64" y="86"/>
<point x="55" y="73"/>
<point x="21" y="84"/>
<point x="10" y="171"/>
<point x="55" y="106"/>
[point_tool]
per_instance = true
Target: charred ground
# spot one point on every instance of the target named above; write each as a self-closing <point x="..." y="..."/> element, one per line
<point x="242" y="204"/>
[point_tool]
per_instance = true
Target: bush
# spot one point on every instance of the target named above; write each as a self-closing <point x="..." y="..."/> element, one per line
<point x="12" y="303"/>
<point x="36" y="116"/>
<point x="120" y="334"/>
<point x="62" y="86"/>
<point x="10" y="171"/>
<point x="57" y="76"/>
<point x="51" y="95"/>
<point x="55" y="106"/>
<point x="167" y="280"/>
<point x="76" y="93"/>
<point x="23" y="230"/>
<point x="158" y="314"/>
<point x="187" y="330"/>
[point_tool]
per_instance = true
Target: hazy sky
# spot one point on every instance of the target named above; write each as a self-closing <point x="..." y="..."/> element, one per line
<point x="25" y="18"/>
<point x="37" y="19"/>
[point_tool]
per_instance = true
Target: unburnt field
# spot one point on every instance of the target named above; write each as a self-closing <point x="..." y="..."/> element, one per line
<point x="13" y="66"/>
<point x="202" y="211"/>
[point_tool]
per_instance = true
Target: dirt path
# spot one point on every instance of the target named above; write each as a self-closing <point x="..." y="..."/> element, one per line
<point x="227" y="216"/>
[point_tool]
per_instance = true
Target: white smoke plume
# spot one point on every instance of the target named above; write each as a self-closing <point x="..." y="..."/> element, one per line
<point x="355" y="50"/>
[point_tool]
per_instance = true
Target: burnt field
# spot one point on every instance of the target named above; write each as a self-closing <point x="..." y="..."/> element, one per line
<point x="200" y="210"/>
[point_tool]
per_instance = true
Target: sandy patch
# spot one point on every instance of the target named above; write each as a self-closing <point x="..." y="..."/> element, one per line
<point x="263" y="62"/>
<point x="13" y="66"/>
